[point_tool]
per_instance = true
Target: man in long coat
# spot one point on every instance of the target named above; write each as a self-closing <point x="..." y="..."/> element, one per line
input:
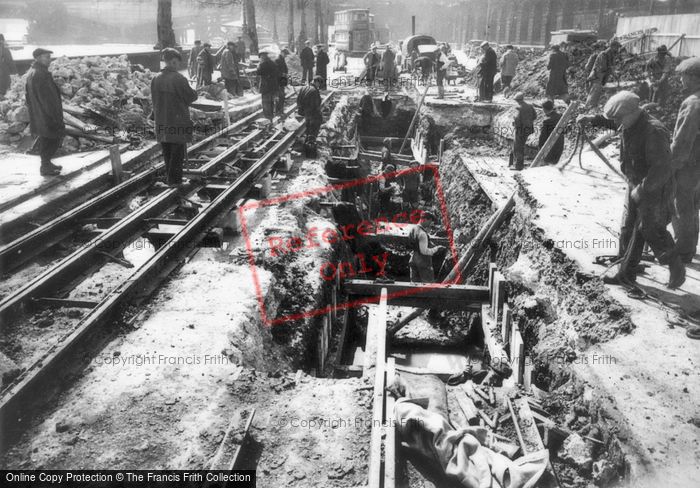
<point x="322" y="61"/>
<point x="7" y="67"/>
<point x="45" y="110"/>
<point x="172" y="96"/>
<point x="557" y="65"/>
<point x="306" y="56"/>
<point x="192" y="61"/>
<point x="486" y="70"/>
<point x="205" y="62"/>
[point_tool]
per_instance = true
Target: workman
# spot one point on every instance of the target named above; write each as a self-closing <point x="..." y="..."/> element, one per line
<point x="603" y="68"/>
<point x="322" y="61"/>
<point x="441" y="63"/>
<point x="645" y="160"/>
<point x="410" y="195"/>
<point x="524" y="125"/>
<point x="7" y="67"/>
<point x="306" y="56"/>
<point x="192" y="61"/>
<point x="283" y="72"/>
<point x="230" y="70"/>
<point x="172" y="96"/>
<point x="486" y="69"/>
<point x="205" y="66"/>
<point x="557" y="65"/>
<point x="658" y="70"/>
<point x="551" y="119"/>
<point x="45" y="110"/>
<point x="309" y="106"/>
<point x="372" y="62"/>
<point x="269" y="83"/>
<point x="685" y="150"/>
<point x="421" y="261"/>
<point x="509" y="62"/>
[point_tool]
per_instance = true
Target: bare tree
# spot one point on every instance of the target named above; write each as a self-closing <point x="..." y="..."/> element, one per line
<point x="290" y="25"/>
<point x="252" y="25"/>
<point x="302" y="28"/>
<point x="317" y="21"/>
<point x="164" y="25"/>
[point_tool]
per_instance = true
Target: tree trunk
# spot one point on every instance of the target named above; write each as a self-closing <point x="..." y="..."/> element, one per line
<point x="317" y="21"/>
<point x="275" y="35"/>
<point x="164" y="25"/>
<point x="252" y="25"/>
<point x="290" y="26"/>
<point x="302" y="28"/>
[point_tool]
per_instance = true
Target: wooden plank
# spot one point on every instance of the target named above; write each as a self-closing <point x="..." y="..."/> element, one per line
<point x="471" y="413"/>
<point x="390" y="438"/>
<point x="115" y="158"/>
<point x="517" y="355"/>
<point x="492" y="338"/>
<point x="62" y="302"/>
<point x="531" y="438"/>
<point x="506" y="324"/>
<point x="377" y="317"/>
<point x="426" y="291"/>
<point x="499" y="293"/>
<point x="527" y="373"/>
<point x="556" y="133"/>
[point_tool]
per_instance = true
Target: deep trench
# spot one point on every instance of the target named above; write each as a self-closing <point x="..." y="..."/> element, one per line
<point x="538" y="319"/>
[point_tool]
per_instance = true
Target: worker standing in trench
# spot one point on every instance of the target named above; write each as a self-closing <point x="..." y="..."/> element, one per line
<point x="557" y="65"/>
<point x="685" y="150"/>
<point x="645" y="160"/>
<point x="603" y="69"/>
<point x="421" y="261"/>
<point x="524" y="125"/>
<point x="269" y="83"/>
<point x="309" y="106"/>
<point x="658" y="69"/>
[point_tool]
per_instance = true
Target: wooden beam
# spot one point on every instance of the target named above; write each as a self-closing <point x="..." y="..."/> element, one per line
<point x="428" y="292"/>
<point x="375" y="352"/>
<point x="492" y="338"/>
<point x="64" y="302"/>
<point x="466" y="404"/>
<point x="390" y="438"/>
<point x="556" y="133"/>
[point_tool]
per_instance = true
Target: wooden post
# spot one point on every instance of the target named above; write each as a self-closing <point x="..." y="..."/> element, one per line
<point x="517" y="355"/>
<point x="506" y="324"/>
<point x="377" y="326"/>
<point x="116" y="159"/>
<point x="390" y="440"/>
<point x="227" y="116"/>
<point x="556" y="133"/>
<point x="415" y="118"/>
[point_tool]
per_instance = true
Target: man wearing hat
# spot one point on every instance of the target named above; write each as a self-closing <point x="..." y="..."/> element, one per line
<point x="172" y="96"/>
<point x="509" y="61"/>
<point x="230" y="70"/>
<point x="205" y="66"/>
<point x="645" y="160"/>
<point x="309" y="106"/>
<point x="421" y="261"/>
<point x="372" y="61"/>
<point x="603" y="68"/>
<point x="551" y="119"/>
<point x="388" y="65"/>
<point x="306" y="56"/>
<point x="685" y="150"/>
<point x="241" y="49"/>
<point x="557" y="64"/>
<point x="192" y="61"/>
<point x="7" y="67"/>
<point x="524" y="125"/>
<point x="283" y="71"/>
<point x="269" y="83"/>
<point x="658" y="69"/>
<point x="486" y="69"/>
<point x="322" y="61"/>
<point x="45" y="110"/>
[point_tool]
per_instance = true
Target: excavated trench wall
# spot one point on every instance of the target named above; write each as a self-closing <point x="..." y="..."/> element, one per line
<point x="559" y="310"/>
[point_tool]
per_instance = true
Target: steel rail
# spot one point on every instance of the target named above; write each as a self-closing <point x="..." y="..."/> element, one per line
<point x="141" y="282"/>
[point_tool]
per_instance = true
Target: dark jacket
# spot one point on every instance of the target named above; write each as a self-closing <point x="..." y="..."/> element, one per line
<point x="557" y="65"/>
<point x="240" y="49"/>
<point x="322" y="61"/>
<point x="205" y="59"/>
<point x="172" y="96"/>
<point x="548" y="124"/>
<point x="686" y="135"/>
<point x="307" y="57"/>
<point x="44" y="103"/>
<point x="229" y="65"/>
<point x="282" y="70"/>
<point x="525" y="116"/>
<point x="309" y="102"/>
<point x="192" y="61"/>
<point x="645" y="154"/>
<point x="7" y="68"/>
<point x="488" y="63"/>
<point x="603" y="66"/>
<point x="269" y="77"/>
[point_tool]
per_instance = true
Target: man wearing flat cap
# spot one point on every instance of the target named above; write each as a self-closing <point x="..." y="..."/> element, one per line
<point x="172" y="96"/>
<point x="603" y="69"/>
<point x="45" y="110"/>
<point x="524" y="125"/>
<point x="685" y="150"/>
<point x="645" y="160"/>
<point x="269" y="83"/>
<point x="486" y="69"/>
<point x="306" y="56"/>
<point x="658" y="69"/>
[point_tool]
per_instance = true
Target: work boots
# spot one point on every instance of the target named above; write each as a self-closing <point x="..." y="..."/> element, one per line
<point x="676" y="272"/>
<point x="50" y="169"/>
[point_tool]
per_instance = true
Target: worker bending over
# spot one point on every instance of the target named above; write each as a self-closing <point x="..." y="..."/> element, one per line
<point x="421" y="262"/>
<point x="685" y="150"/>
<point x="645" y="160"/>
<point x="603" y="69"/>
<point x="309" y="106"/>
<point x="658" y="69"/>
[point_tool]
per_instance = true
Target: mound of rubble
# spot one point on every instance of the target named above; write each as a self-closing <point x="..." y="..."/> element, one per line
<point x="105" y="90"/>
<point x="531" y="78"/>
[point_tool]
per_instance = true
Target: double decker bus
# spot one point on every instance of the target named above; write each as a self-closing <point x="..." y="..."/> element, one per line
<point x="352" y="30"/>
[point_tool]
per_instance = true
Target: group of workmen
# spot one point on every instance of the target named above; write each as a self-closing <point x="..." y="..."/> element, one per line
<point x="202" y="62"/>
